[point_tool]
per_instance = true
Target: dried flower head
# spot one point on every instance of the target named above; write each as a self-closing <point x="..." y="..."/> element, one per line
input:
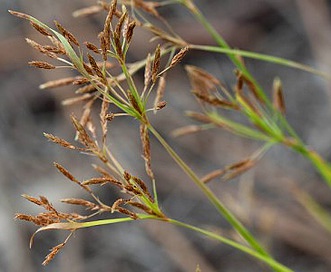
<point x="42" y="65"/>
<point x="278" y="96"/>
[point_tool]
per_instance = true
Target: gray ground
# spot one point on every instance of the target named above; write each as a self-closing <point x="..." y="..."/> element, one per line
<point x="297" y="30"/>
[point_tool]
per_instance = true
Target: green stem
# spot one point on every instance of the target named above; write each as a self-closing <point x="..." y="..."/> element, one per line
<point x="76" y="225"/>
<point x="317" y="161"/>
<point x="266" y="259"/>
<point x="211" y="196"/>
<point x="253" y="55"/>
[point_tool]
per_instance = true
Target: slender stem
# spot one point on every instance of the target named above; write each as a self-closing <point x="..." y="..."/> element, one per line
<point x="258" y="255"/>
<point x="317" y="161"/>
<point x="263" y="57"/>
<point x="266" y="259"/>
<point x="211" y="196"/>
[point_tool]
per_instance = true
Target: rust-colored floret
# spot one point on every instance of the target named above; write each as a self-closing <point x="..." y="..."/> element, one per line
<point x="42" y="65"/>
<point x="92" y="47"/>
<point x="179" y="56"/>
<point x="159" y="93"/>
<point x="68" y="35"/>
<point x="80" y="202"/>
<point x="156" y="63"/>
<point x="278" y="96"/>
<point x="40" y="29"/>
<point x="59" y="141"/>
<point x="144" y="136"/>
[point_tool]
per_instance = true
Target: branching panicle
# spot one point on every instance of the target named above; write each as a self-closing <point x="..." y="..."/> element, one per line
<point x="104" y="74"/>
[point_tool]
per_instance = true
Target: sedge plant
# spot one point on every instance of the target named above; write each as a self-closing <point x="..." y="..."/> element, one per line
<point x="97" y="81"/>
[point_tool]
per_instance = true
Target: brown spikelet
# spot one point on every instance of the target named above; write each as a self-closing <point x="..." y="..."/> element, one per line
<point x="103" y="118"/>
<point x="54" y="49"/>
<point x="40" y="29"/>
<point x="68" y="35"/>
<point x="141" y="207"/>
<point x="149" y="7"/>
<point x="55" y="250"/>
<point x="83" y="137"/>
<point x="159" y="92"/>
<point x="199" y="117"/>
<point x="129" y="31"/>
<point x="144" y="136"/>
<point x="127" y="212"/>
<point x="212" y="175"/>
<point x="240" y="83"/>
<point x="201" y="74"/>
<point x="143" y="187"/>
<point x="238" y="164"/>
<point x="86" y="89"/>
<point x="95" y="67"/>
<point x="186" y="130"/>
<point x="59" y="141"/>
<point x="140" y="183"/>
<point x="132" y="190"/>
<point x="20" y="14"/>
<point x="42" y="65"/>
<point x="160" y="105"/>
<point x="66" y="173"/>
<point x="278" y="97"/>
<point x="58" y="46"/>
<point x="32" y="199"/>
<point x="215" y="101"/>
<point x="133" y="102"/>
<point x="94" y="181"/>
<point x="80" y="202"/>
<point x="107" y="25"/>
<point x="110" y="116"/>
<point x="47" y="205"/>
<point x="116" y="204"/>
<point x="25" y="217"/>
<point x="80" y="81"/>
<point x="165" y="36"/>
<point x="156" y="63"/>
<point x="40" y="48"/>
<point x="104" y="44"/>
<point x="113" y="6"/>
<point x="39" y="220"/>
<point x="251" y="86"/>
<point x="201" y="81"/>
<point x="88" y="69"/>
<point x="118" y="44"/>
<point x="114" y="181"/>
<point x="74" y="100"/>
<point x="59" y="82"/>
<point x="127" y="176"/>
<point x="148" y="71"/>
<point x="92" y="47"/>
<point x="120" y="23"/>
<point x="236" y="169"/>
<point x="87" y="11"/>
<point x="69" y="176"/>
<point x="75" y="217"/>
<point x="179" y="56"/>
<point x="86" y="120"/>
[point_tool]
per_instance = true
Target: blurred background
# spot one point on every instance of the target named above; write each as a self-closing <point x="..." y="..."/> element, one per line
<point x="298" y="30"/>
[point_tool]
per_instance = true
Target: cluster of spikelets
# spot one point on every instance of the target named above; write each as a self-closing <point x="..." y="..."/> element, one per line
<point x="97" y="79"/>
<point x="97" y="82"/>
